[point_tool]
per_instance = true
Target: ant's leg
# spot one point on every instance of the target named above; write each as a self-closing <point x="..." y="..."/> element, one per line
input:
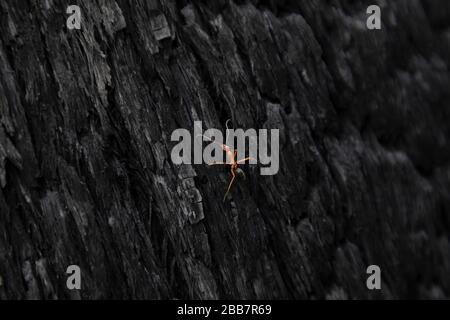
<point x="245" y="159"/>
<point x="229" y="186"/>
<point x="214" y="163"/>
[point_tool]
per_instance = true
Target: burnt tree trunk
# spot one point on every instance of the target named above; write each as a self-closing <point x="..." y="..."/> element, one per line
<point x="86" y="176"/>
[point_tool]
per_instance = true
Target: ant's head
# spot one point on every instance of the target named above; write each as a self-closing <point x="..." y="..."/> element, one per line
<point x="226" y="148"/>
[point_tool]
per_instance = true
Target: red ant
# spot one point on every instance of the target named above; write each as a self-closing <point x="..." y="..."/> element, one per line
<point x="231" y="155"/>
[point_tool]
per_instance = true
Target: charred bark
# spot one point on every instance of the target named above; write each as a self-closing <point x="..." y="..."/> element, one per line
<point x="86" y="176"/>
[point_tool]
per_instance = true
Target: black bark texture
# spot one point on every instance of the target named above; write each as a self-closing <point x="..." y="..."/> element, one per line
<point x="86" y="176"/>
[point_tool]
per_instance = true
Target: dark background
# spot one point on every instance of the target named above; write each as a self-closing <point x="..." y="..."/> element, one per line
<point x="85" y="171"/>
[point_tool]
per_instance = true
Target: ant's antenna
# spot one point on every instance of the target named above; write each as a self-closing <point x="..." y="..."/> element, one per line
<point x="205" y="136"/>
<point x="214" y="141"/>
<point x="202" y="135"/>
<point x="227" y="130"/>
